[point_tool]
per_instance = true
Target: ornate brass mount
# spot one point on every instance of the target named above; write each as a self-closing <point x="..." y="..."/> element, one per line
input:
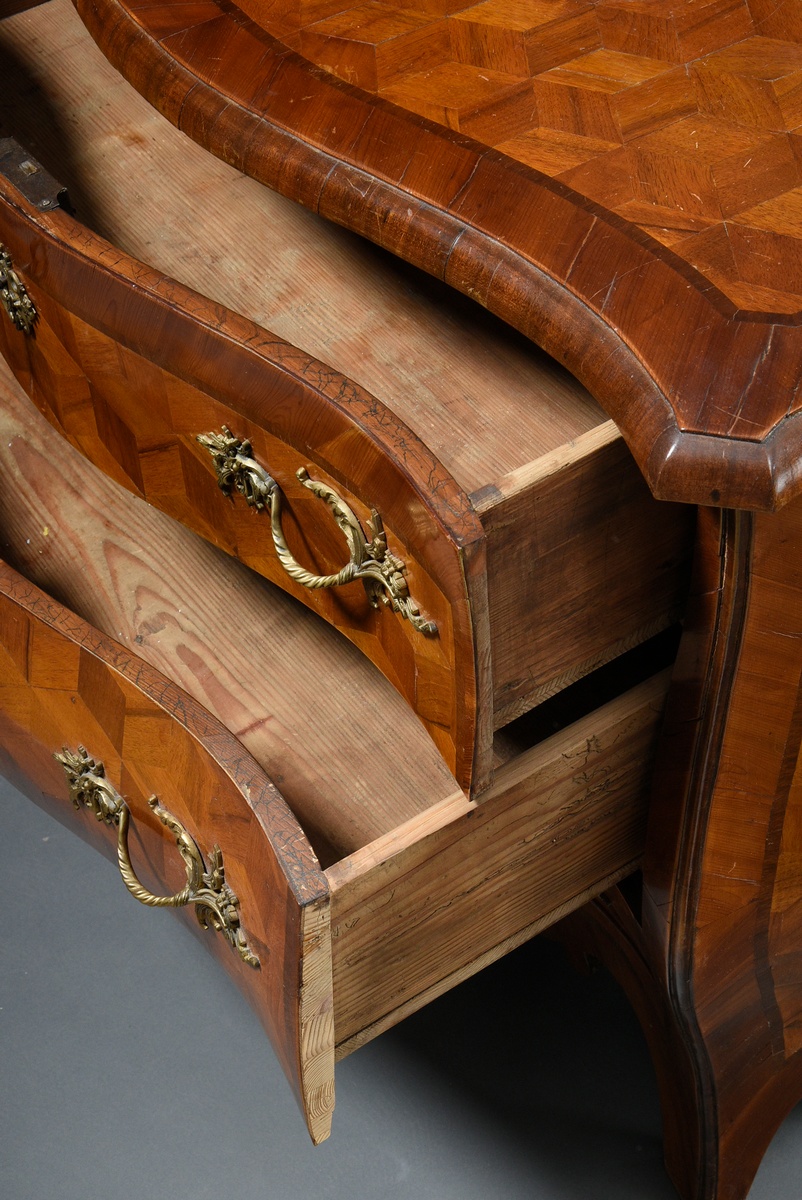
<point x="13" y="296"/>
<point x="216" y="905"/>
<point x="382" y="574"/>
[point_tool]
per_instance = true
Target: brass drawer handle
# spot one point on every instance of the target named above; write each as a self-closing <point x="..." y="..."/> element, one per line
<point x="13" y="296"/>
<point x="216" y="905"/>
<point x="382" y="574"/>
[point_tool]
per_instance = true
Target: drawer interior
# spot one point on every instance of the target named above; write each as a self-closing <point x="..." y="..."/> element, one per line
<point x="300" y="699"/>
<point x="582" y="563"/>
<point x="426" y="885"/>
<point x="483" y="398"/>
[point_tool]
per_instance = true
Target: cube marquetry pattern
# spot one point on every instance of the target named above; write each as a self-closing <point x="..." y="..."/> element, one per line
<point x="683" y="118"/>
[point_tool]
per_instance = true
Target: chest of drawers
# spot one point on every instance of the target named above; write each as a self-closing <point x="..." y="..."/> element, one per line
<point x="525" y="535"/>
<point x="612" y="195"/>
<point x="420" y="829"/>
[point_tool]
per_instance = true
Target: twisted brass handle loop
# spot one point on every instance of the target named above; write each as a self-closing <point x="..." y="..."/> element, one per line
<point x="347" y="523"/>
<point x="216" y="905"/>
<point x="383" y="575"/>
<point x="138" y="890"/>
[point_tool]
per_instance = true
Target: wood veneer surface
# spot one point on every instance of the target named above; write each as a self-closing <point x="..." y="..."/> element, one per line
<point x="476" y="394"/>
<point x="347" y="753"/>
<point x="483" y="400"/>
<point x="64" y="685"/>
<point x="619" y="179"/>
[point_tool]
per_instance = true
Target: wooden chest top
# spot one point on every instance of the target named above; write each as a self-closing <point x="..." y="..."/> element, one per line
<point x="620" y="180"/>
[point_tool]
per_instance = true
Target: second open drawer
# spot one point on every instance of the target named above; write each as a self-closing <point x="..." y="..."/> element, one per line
<point x="368" y="882"/>
<point x="475" y="487"/>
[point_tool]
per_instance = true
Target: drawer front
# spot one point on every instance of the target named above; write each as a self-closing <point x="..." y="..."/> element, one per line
<point x="65" y="689"/>
<point x="134" y="369"/>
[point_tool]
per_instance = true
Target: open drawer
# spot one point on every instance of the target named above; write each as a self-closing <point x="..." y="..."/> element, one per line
<point x="523" y="548"/>
<point x="399" y="885"/>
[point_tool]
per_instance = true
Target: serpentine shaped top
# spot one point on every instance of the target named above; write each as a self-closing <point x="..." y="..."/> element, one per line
<point x="619" y="179"/>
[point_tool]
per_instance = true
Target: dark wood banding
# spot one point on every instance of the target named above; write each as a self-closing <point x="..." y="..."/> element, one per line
<point x="701" y="385"/>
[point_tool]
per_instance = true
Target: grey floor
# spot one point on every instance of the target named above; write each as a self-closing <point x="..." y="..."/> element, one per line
<point x="131" y="1070"/>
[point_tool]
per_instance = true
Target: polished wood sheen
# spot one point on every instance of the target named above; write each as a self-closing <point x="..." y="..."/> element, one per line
<point x="517" y="506"/>
<point x="724" y="890"/>
<point x="297" y="696"/>
<point x="418" y="886"/>
<point x="64" y="684"/>
<point x="618" y="179"/>
<point x="711" y="952"/>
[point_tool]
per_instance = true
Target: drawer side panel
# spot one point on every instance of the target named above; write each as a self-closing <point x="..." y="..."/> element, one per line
<point x="132" y="367"/>
<point x="64" y="685"/>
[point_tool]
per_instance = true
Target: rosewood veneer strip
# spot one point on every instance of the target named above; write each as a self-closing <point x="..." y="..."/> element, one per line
<point x="701" y="388"/>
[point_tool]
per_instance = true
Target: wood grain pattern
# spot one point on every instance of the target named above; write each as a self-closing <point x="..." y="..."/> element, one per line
<point x="429" y="886"/>
<point x="443" y="367"/>
<point x="62" y="683"/>
<point x="182" y="606"/>
<point x="560" y="820"/>
<point x="609" y="262"/>
<point x="490" y="410"/>
<point x="733" y="928"/>
<point x="710" y="950"/>
<point x="104" y="352"/>
<point x="576" y="543"/>
<point x="643" y="227"/>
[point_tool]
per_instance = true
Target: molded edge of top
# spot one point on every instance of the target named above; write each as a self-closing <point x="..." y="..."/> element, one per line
<point x="703" y="395"/>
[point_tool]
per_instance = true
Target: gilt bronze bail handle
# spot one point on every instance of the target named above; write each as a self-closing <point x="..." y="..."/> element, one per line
<point x="14" y="298"/>
<point x="383" y="575"/>
<point x="216" y="905"/>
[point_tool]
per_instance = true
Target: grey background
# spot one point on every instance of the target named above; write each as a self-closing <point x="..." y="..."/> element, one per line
<point x="131" y="1069"/>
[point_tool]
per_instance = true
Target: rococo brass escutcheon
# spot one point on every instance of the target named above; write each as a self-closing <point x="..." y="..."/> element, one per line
<point x="13" y="296"/>
<point x="216" y="905"/>
<point x="382" y="573"/>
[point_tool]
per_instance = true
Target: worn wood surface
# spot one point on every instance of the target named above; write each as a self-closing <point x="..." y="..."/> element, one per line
<point x="112" y="336"/>
<point x="561" y="820"/>
<point x="504" y="419"/>
<point x="620" y="181"/>
<point x="64" y="684"/>
<point x="428" y="887"/>
<point x="483" y="400"/>
<point x="183" y="606"/>
<point x="139" y="420"/>
<point x="578" y="547"/>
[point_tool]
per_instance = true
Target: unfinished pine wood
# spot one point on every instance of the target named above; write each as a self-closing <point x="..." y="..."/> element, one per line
<point x="559" y="819"/>
<point x="576" y="543"/>
<point x="598" y="542"/>
<point x="478" y="396"/>
<point x="427" y="887"/>
<point x="647" y="233"/>
<point x="297" y="412"/>
<point x="143" y="367"/>
<point x="64" y="684"/>
<point x="544" y="212"/>
<point x="183" y="607"/>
